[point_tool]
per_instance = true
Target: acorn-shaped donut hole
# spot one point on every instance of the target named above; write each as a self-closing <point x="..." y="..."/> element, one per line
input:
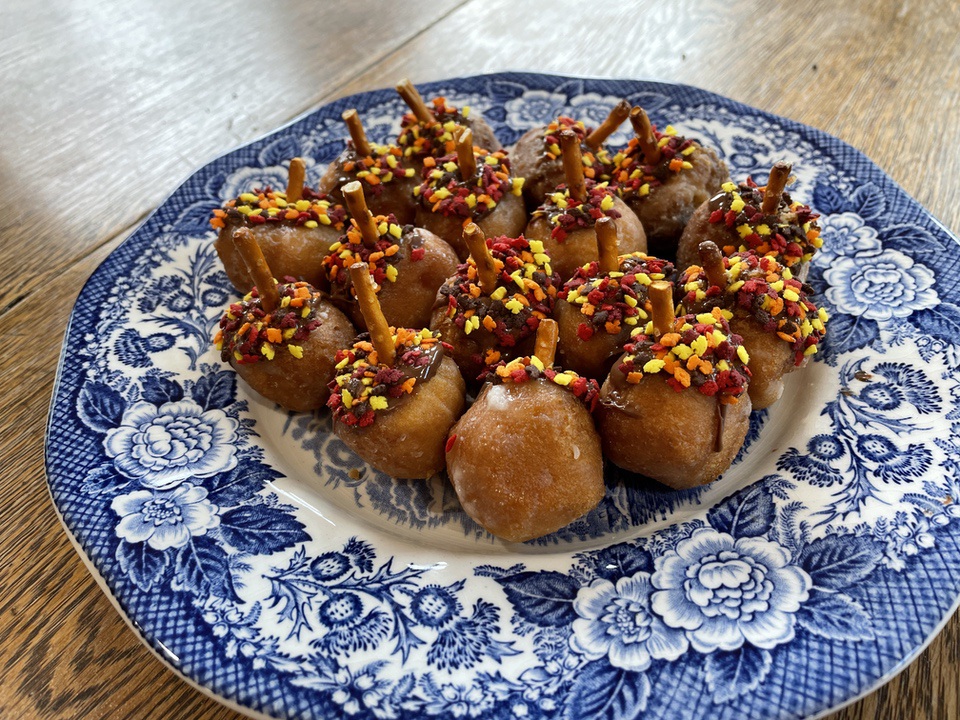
<point x="664" y="177"/>
<point x="396" y="393"/>
<point x="538" y="155"/>
<point x="294" y="230"/>
<point x="768" y="307"/>
<point x="407" y="264"/>
<point x="388" y="180"/>
<point x="566" y="221"/>
<point x="525" y="459"/>
<point x="428" y="129"/>
<point x="763" y="220"/>
<point x="675" y="406"/>
<point x="281" y="338"/>
<point x="603" y="301"/>
<point x="490" y="309"/>
<point x="472" y="185"/>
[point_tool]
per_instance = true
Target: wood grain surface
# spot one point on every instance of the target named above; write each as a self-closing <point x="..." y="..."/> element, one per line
<point x="106" y="107"/>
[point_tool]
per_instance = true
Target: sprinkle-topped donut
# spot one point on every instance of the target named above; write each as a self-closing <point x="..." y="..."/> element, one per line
<point x="566" y="214"/>
<point x="525" y="293"/>
<point x="363" y="387"/>
<point x="382" y="258"/>
<point x="765" y="290"/>
<point x="529" y="368"/>
<point x="444" y="189"/>
<point x="597" y="165"/>
<point x="419" y="141"/>
<point x="636" y="178"/>
<point x="248" y="334"/>
<point x="269" y="206"/>
<point x="608" y="302"/>
<point x="791" y="234"/>
<point x="700" y="352"/>
<point x="383" y="165"/>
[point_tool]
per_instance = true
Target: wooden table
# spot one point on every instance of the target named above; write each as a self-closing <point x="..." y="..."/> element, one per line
<point x="106" y="107"/>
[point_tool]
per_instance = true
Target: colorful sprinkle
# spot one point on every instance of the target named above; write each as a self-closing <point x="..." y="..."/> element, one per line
<point x="597" y="165"/>
<point x="614" y="302"/>
<point x="636" y="178"/>
<point x="383" y="166"/>
<point x="264" y="207"/>
<point x="248" y="334"/>
<point x="791" y="235"/>
<point x="567" y="214"/>
<point x="699" y="352"/>
<point x="763" y="289"/>
<point x="363" y="387"/>
<point x="419" y="141"/>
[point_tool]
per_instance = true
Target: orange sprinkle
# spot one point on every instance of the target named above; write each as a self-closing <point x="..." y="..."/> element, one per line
<point x="683" y="376"/>
<point x="669" y="339"/>
<point x="274" y="335"/>
<point x="634" y="377"/>
<point x="489" y="323"/>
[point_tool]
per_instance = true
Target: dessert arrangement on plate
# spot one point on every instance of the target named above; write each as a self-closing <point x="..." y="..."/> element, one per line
<point x="427" y="246"/>
<point x="455" y="452"/>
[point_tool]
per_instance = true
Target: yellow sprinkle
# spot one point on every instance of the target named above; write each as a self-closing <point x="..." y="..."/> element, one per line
<point x="267" y="350"/>
<point x="644" y="190"/>
<point x="391" y="272"/>
<point x="450" y="166"/>
<point x="396" y="230"/>
<point x="682" y="351"/>
<point x="303" y="205"/>
<point x="699" y="345"/>
<point x="653" y="366"/>
<point x="735" y="286"/>
<point x="514" y="306"/>
<point x="378" y="402"/>
<point x="738" y="204"/>
<point x="296" y="351"/>
<point x="248" y="197"/>
<point x="325" y="220"/>
<point x="810" y="350"/>
<point x="689" y="151"/>
<point x="791" y="295"/>
<point x="705" y="318"/>
<point x="537" y="363"/>
<point x="499" y="293"/>
<point x="311" y="224"/>
<point x="743" y="354"/>
<point x="744" y="230"/>
<point x="606" y="203"/>
<point x="686" y="165"/>
<point x="536" y="246"/>
<point x="563" y="378"/>
<point x="244" y="209"/>
<point x="630" y="300"/>
<point x="728" y="187"/>
<point x="763" y="229"/>
<point x="347" y="398"/>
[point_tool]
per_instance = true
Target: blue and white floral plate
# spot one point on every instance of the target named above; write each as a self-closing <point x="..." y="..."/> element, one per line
<point x="260" y="559"/>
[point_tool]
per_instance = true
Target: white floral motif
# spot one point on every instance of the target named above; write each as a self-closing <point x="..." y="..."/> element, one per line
<point x="880" y="287"/>
<point x="725" y="591"/>
<point x="163" y="446"/>
<point x="165" y="519"/>
<point x="533" y="108"/>
<point x="845" y="234"/>
<point x="615" y="621"/>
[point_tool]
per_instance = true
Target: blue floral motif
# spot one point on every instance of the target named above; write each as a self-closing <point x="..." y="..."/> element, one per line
<point x="880" y="287"/>
<point x="724" y="591"/>
<point x="616" y="622"/>
<point x="165" y="519"/>
<point x="162" y="446"/>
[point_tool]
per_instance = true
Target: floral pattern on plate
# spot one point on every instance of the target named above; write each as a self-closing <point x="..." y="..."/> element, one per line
<point x="260" y="558"/>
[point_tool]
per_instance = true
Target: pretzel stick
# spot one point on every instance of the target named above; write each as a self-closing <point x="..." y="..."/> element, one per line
<point x="712" y="261"/>
<point x="573" y="165"/>
<point x="380" y="333"/>
<point x="644" y="131"/>
<point x="779" y="174"/>
<point x="298" y="171"/>
<point x="357" y="133"/>
<point x="486" y="266"/>
<point x="546" y="343"/>
<point x="607" y="245"/>
<point x="413" y="100"/>
<point x="252" y="255"/>
<point x="661" y="300"/>
<point x="609" y="126"/>
<point x="463" y="138"/>
<point x="357" y="205"/>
